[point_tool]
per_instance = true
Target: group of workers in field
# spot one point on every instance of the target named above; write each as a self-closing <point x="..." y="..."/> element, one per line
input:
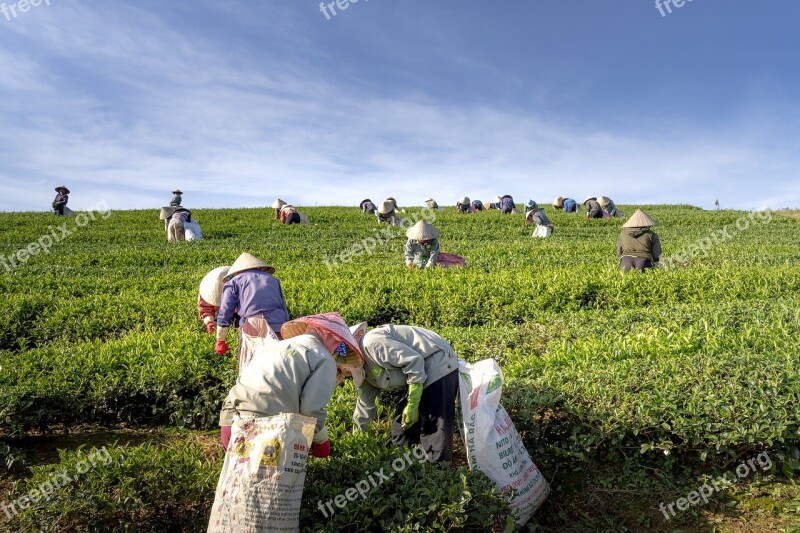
<point x="307" y="357"/>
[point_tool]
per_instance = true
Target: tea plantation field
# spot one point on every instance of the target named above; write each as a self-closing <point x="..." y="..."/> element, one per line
<point x="627" y="389"/>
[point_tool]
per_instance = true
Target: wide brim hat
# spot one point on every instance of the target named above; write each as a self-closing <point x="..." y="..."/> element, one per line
<point x="497" y="200"/>
<point x="531" y="203"/>
<point x="62" y="188"/>
<point x="422" y="231"/>
<point x="359" y="330"/>
<point x="428" y="199"/>
<point x="277" y="204"/>
<point x="604" y="201"/>
<point x="464" y="200"/>
<point x="558" y="202"/>
<point x="211" y="285"/>
<point x="248" y="261"/>
<point x="329" y="324"/>
<point x="177" y="191"/>
<point x="589" y="198"/>
<point x="640" y="219"/>
<point x="386" y="207"/>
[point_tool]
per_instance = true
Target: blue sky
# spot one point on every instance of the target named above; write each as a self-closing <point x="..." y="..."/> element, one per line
<point x="239" y="102"/>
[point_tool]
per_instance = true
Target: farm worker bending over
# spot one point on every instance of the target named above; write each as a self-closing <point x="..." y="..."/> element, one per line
<point x="431" y="203"/>
<point x="567" y="204"/>
<point x="176" y="198"/>
<point x="176" y="231"/>
<point x="609" y="208"/>
<point x="593" y="209"/>
<point x="638" y="247"/>
<point x="422" y="248"/>
<point x="297" y="375"/>
<point x="477" y="205"/>
<point x="507" y="205"/>
<point x="464" y="206"/>
<point x="60" y="203"/>
<point x="367" y="207"/>
<point x="425" y="366"/>
<point x="210" y="298"/>
<point x="543" y="225"/>
<point x="290" y="215"/>
<point x="387" y="214"/>
<point x="277" y="205"/>
<point x="252" y="289"/>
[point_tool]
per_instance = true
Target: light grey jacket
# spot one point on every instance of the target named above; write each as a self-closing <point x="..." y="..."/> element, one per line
<point x="397" y="356"/>
<point x="296" y="375"/>
<point x="422" y="255"/>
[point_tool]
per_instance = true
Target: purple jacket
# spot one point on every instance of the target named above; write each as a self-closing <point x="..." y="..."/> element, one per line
<point x="253" y="293"/>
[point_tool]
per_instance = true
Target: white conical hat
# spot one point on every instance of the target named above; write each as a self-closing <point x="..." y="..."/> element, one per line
<point x="640" y="219"/>
<point x="422" y="231"/>
<point x="385" y="208"/>
<point x="211" y="286"/>
<point x="248" y="262"/>
<point x="464" y="200"/>
<point x="497" y="200"/>
<point x="277" y="204"/>
<point x="589" y="198"/>
<point x="428" y="199"/>
<point x="604" y="201"/>
<point x="558" y="202"/>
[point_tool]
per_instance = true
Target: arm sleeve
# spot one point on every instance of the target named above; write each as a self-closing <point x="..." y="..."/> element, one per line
<point x="409" y="252"/>
<point x="434" y="254"/>
<point x="365" y="411"/>
<point x="656" y="248"/>
<point x="205" y="309"/>
<point x="227" y="412"/>
<point x="230" y="300"/>
<point x="317" y="392"/>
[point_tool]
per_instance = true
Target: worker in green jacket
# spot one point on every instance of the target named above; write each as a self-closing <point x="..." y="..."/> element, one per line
<point x="638" y="247"/>
<point x="423" y="365"/>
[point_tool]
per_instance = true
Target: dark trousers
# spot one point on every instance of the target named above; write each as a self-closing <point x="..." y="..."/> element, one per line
<point x="294" y="218"/>
<point x="59" y="210"/>
<point x="437" y="413"/>
<point x="638" y="263"/>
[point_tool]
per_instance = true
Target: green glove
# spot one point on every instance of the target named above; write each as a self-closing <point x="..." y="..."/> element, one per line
<point x="411" y="412"/>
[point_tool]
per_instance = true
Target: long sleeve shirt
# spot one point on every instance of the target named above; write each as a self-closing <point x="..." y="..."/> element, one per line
<point x="397" y="356"/>
<point x="639" y="242"/>
<point x="253" y="293"/>
<point x="296" y="375"/>
<point x="422" y="255"/>
<point x="61" y="199"/>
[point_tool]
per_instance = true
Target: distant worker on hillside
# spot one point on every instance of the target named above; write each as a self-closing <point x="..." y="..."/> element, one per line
<point x="290" y="215"/>
<point x="59" y="205"/>
<point x="210" y="298"/>
<point x="423" y="365"/>
<point x="492" y="205"/>
<point x="387" y="214"/>
<point x="367" y="207"/>
<point x="477" y="205"/>
<point x="544" y="228"/>
<point x="567" y="204"/>
<point x="431" y="203"/>
<point x="177" y="199"/>
<point x="175" y="224"/>
<point x="593" y="209"/>
<point x="277" y="205"/>
<point x="255" y="294"/>
<point x="638" y="247"/>
<point x="422" y="248"/>
<point x="464" y="206"/>
<point x="530" y="205"/>
<point x="507" y="205"/>
<point x="609" y="208"/>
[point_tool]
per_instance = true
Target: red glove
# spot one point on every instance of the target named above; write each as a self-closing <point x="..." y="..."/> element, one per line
<point x="211" y="327"/>
<point x="221" y="347"/>
<point x="225" y="436"/>
<point x="409" y="265"/>
<point x="321" y="450"/>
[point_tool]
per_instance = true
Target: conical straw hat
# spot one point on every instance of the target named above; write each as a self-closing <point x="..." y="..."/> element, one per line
<point x="589" y="198"/>
<point x="66" y="191"/>
<point x="422" y="231"/>
<point x="428" y="199"/>
<point x="604" y="201"/>
<point x="385" y="208"/>
<point x="277" y="204"/>
<point x="640" y="219"/>
<point x="211" y="285"/>
<point x="329" y="324"/>
<point x="464" y="200"/>
<point x="248" y="262"/>
<point x="177" y="191"/>
<point x="558" y="202"/>
<point x="497" y="200"/>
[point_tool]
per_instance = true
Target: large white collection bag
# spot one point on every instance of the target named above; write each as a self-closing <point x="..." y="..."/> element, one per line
<point x="493" y="445"/>
<point x="260" y="488"/>
<point x="192" y="231"/>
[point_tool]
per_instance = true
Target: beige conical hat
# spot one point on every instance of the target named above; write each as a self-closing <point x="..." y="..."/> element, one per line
<point x="428" y="199"/>
<point x="385" y="208"/>
<point x="62" y="188"/>
<point x="248" y="262"/>
<point x="328" y="324"/>
<point x="211" y="285"/>
<point x="589" y="198"/>
<point x="464" y="200"/>
<point x="640" y="219"/>
<point x="497" y="200"/>
<point x="277" y="204"/>
<point x="422" y="231"/>
<point x="604" y="201"/>
<point x="558" y="202"/>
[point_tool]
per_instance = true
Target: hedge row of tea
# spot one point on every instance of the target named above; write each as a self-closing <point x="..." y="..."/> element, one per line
<point x="697" y="362"/>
